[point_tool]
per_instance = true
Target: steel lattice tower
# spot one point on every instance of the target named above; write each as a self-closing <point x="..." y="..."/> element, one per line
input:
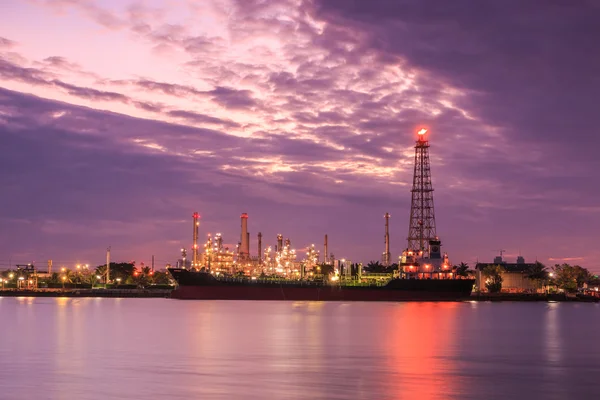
<point x="422" y="216"/>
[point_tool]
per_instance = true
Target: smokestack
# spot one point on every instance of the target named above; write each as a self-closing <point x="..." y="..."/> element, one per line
<point x="196" y="217"/>
<point x="260" y="247"/>
<point x="248" y="244"/>
<point x="387" y="257"/>
<point x="49" y="267"/>
<point x="325" y="257"/>
<point x="244" y="249"/>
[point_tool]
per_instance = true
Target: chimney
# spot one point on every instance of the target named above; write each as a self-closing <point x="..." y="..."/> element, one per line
<point x="387" y="257"/>
<point x="195" y="261"/>
<point x="244" y="249"/>
<point x="260" y="247"/>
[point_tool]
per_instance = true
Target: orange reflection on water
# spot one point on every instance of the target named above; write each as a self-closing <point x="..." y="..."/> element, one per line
<point x="420" y="349"/>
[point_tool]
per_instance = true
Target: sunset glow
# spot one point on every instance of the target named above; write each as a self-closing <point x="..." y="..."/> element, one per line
<point x="119" y="118"/>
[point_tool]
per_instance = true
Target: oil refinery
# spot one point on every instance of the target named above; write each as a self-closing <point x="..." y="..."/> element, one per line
<point x="421" y="259"/>
<point x="282" y="260"/>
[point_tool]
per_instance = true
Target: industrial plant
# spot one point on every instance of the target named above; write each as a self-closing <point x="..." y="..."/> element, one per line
<point x="421" y="259"/>
<point x="283" y="260"/>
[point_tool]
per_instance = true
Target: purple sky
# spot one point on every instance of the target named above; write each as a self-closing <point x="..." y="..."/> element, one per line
<point x="120" y="118"/>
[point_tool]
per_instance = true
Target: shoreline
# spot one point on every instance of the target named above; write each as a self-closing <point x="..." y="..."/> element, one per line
<point x="166" y="293"/>
<point x="535" y="297"/>
<point x="115" y="293"/>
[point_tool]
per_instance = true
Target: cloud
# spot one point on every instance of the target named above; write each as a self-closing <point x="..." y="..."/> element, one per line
<point x="61" y="62"/>
<point x="566" y="259"/>
<point x="6" y="43"/>
<point x="92" y="94"/>
<point x="201" y="118"/>
<point x="34" y="76"/>
<point x="98" y="14"/>
<point x="167" y="88"/>
<point x="514" y="78"/>
<point x="233" y="98"/>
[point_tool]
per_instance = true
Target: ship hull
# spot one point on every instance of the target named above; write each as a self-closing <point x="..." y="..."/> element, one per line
<point x="199" y="286"/>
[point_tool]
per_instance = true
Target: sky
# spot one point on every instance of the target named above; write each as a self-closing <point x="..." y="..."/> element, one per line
<point x="119" y="119"/>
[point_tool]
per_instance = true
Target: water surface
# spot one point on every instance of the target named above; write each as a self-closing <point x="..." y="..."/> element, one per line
<point x="167" y="349"/>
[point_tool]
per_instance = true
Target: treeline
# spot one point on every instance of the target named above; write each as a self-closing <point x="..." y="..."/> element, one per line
<point x="569" y="278"/>
<point x="120" y="273"/>
<point x="376" y="267"/>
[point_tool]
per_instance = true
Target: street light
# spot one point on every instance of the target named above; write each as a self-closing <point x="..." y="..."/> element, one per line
<point x="64" y="278"/>
<point x="118" y="281"/>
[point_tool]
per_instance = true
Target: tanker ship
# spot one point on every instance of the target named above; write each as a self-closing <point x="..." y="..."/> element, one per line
<point x="201" y="285"/>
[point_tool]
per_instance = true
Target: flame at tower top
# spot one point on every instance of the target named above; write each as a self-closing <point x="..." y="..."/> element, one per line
<point x="422" y="215"/>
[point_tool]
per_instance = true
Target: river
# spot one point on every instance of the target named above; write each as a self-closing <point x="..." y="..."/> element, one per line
<point x="93" y="348"/>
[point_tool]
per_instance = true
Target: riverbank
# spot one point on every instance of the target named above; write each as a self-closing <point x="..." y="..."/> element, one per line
<point x="526" y="297"/>
<point x="166" y="293"/>
<point x="124" y="293"/>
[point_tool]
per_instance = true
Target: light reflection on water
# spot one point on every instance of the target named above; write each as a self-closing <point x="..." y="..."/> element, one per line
<point x="166" y="349"/>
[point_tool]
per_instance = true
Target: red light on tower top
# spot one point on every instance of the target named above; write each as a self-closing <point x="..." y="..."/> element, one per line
<point x="421" y="134"/>
<point x="196" y="215"/>
<point x="244" y="215"/>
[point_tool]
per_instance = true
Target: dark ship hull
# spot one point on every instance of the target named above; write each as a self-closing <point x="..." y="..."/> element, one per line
<point x="203" y="286"/>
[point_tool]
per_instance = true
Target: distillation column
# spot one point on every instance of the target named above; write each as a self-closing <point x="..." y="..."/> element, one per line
<point x="325" y="256"/>
<point x="386" y="254"/>
<point x="260" y="255"/>
<point x="195" y="261"/>
<point x="244" y="245"/>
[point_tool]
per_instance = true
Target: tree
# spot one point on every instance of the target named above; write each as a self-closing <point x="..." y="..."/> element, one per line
<point x="376" y="267"/>
<point x="68" y="275"/>
<point x="161" y="278"/>
<point x="537" y="273"/>
<point x="582" y="275"/>
<point x="462" y="269"/>
<point x="570" y="278"/>
<point x="117" y="270"/>
<point x="144" y="277"/>
<point x="494" y="280"/>
<point x="54" y="278"/>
